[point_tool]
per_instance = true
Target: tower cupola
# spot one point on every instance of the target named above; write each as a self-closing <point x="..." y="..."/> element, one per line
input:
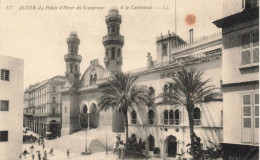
<point x="73" y="59"/>
<point x="113" y="41"/>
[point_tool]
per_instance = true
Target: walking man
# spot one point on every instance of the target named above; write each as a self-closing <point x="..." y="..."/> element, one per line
<point x="39" y="156"/>
<point x="68" y="153"/>
<point x="45" y="155"/>
<point x="43" y="145"/>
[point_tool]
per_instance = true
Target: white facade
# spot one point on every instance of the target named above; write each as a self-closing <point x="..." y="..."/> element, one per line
<point x="11" y="117"/>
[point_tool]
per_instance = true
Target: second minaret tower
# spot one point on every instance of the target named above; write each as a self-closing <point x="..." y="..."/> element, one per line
<point x="113" y="42"/>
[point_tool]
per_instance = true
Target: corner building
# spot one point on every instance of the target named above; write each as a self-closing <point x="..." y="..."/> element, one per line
<point x="240" y="73"/>
<point x="164" y="126"/>
<point x="42" y="107"/>
<point x="11" y="108"/>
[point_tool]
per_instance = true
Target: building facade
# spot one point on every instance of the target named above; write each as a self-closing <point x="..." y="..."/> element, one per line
<point x="42" y="107"/>
<point x="164" y="126"/>
<point x="240" y="73"/>
<point x="11" y="109"/>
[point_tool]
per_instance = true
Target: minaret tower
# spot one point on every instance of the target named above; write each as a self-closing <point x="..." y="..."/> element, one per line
<point x="73" y="59"/>
<point x="113" y="41"/>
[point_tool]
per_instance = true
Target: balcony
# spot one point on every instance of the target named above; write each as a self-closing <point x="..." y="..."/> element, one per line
<point x="133" y="121"/>
<point x="150" y="121"/>
<point x="197" y="121"/>
<point x="47" y="115"/>
<point x="171" y="121"/>
<point x="72" y="57"/>
<point x="113" y="17"/>
<point x="113" y="39"/>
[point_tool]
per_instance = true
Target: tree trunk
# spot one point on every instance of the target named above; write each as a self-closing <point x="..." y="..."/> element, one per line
<point x="126" y="127"/>
<point x="191" y="123"/>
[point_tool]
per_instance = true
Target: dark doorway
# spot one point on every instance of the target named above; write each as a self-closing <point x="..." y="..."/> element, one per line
<point x="172" y="146"/>
<point x="84" y="117"/>
<point x="54" y="128"/>
<point x="151" y="143"/>
<point x="93" y="116"/>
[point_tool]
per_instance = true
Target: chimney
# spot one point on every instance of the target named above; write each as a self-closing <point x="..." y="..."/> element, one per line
<point x="191" y="35"/>
<point x="149" y="60"/>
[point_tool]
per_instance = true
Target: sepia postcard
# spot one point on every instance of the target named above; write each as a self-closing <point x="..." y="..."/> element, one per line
<point x="129" y="79"/>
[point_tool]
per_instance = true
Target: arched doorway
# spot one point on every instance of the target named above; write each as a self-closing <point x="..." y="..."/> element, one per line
<point x="93" y="119"/>
<point x="54" y="128"/>
<point x="151" y="143"/>
<point x="172" y="146"/>
<point x="84" y="116"/>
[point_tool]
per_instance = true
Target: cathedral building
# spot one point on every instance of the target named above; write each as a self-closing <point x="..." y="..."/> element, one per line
<point x="164" y="126"/>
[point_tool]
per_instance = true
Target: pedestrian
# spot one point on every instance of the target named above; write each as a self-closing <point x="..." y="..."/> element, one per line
<point x="68" y="153"/>
<point x="45" y="155"/>
<point x="39" y="156"/>
<point x="39" y="141"/>
<point x="43" y="145"/>
<point x="33" y="156"/>
<point x="25" y="153"/>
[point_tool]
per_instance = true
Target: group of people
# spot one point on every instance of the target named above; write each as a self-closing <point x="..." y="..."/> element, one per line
<point x="38" y="153"/>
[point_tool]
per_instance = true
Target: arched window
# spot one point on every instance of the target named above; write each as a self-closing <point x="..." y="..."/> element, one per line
<point x="85" y="109"/>
<point x="113" y="53"/>
<point x="71" y="68"/>
<point x="133" y="117"/>
<point x="165" y="90"/>
<point x="91" y="79"/>
<point x="171" y="88"/>
<point x="95" y="78"/>
<point x="151" y="143"/>
<point x="171" y="122"/>
<point x="151" y="117"/>
<point x="177" y="117"/>
<point x="196" y="116"/>
<point x="166" y="117"/>
<point x="76" y="67"/>
<point x="152" y="92"/>
<point x="113" y="29"/>
<point x="118" y="52"/>
<point x="107" y="50"/>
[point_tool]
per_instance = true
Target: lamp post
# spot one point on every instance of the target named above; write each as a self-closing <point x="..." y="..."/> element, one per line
<point x="106" y="143"/>
<point x="86" y="145"/>
<point x="146" y="144"/>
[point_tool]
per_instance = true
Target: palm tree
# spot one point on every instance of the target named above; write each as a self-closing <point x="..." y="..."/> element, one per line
<point x="189" y="89"/>
<point x="122" y="94"/>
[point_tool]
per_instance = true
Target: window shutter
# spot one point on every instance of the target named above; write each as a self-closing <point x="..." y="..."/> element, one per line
<point x="200" y="117"/>
<point x="180" y="116"/>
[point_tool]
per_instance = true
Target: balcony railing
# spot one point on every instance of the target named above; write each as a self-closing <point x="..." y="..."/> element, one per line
<point x="133" y="121"/>
<point x="113" y="16"/>
<point x="47" y="114"/>
<point x="113" y="37"/>
<point x="172" y="121"/>
<point x="72" y="56"/>
<point x="150" y="121"/>
<point x="189" y="60"/>
<point x="197" y="121"/>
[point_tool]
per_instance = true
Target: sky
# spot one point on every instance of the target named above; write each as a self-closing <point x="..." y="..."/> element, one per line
<point x="39" y="36"/>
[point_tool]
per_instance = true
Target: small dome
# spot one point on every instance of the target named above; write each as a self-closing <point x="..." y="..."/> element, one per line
<point x="113" y="10"/>
<point x="73" y="32"/>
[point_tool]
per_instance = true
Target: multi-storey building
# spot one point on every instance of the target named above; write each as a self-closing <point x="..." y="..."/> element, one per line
<point x="164" y="126"/>
<point x="42" y="111"/>
<point x="240" y="75"/>
<point x="11" y="108"/>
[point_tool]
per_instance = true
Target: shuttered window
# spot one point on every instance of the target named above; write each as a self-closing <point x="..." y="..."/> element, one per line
<point x="250" y="48"/>
<point x="5" y="75"/>
<point x="3" y="136"/>
<point x="4" y="105"/>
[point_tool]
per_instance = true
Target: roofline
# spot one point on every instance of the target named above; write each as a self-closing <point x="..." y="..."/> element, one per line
<point x="245" y="15"/>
